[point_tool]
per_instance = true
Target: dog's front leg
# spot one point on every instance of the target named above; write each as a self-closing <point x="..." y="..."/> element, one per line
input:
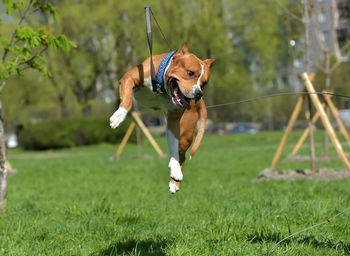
<point x="127" y="84"/>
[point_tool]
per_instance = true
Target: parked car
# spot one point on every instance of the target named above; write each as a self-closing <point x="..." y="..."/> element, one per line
<point x="12" y="141"/>
<point x="243" y="128"/>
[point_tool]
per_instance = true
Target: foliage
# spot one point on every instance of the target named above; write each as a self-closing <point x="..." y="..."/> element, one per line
<point x="76" y="202"/>
<point x="249" y="39"/>
<point x="54" y="134"/>
<point x="24" y="49"/>
<point x="112" y="39"/>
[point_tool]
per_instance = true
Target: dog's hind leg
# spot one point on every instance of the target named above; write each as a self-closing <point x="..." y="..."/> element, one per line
<point x="180" y="135"/>
<point x="188" y="125"/>
<point x="173" y="136"/>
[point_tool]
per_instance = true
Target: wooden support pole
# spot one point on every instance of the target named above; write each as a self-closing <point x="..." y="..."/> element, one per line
<point x="325" y="120"/>
<point x="290" y="126"/>
<point x="9" y="166"/>
<point x="337" y="117"/>
<point x="136" y="116"/>
<point x="125" y="139"/>
<point x="306" y="133"/>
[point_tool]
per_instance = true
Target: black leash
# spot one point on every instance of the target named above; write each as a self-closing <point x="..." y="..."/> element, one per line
<point x="155" y="86"/>
<point x="149" y="39"/>
<point x="161" y="31"/>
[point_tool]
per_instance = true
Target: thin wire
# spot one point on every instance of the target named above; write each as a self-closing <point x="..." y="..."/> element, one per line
<point x="296" y="233"/>
<point x="161" y="31"/>
<point x="274" y="95"/>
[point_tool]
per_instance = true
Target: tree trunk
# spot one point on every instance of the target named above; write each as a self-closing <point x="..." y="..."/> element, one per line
<point x="3" y="165"/>
<point x="64" y="112"/>
<point x="86" y="110"/>
<point x="306" y="19"/>
<point x="328" y="87"/>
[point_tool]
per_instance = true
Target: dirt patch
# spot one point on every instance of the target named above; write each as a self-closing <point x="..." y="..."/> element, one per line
<point x="46" y="155"/>
<point x="291" y="175"/>
<point x="305" y="158"/>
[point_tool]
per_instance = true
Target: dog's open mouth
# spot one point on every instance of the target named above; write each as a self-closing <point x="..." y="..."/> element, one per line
<point x="178" y="98"/>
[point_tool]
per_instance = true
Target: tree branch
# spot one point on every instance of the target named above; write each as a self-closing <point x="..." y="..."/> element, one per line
<point x="320" y="67"/>
<point x="34" y="11"/>
<point x="288" y="12"/>
<point x="335" y="66"/>
<point x="14" y="32"/>
<point x="3" y="83"/>
<point x="323" y="47"/>
<point x="34" y="56"/>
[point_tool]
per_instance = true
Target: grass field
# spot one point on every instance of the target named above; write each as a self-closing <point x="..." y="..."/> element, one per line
<point x="77" y="202"/>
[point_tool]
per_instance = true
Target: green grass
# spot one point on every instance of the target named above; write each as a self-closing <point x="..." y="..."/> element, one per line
<point x="77" y="202"/>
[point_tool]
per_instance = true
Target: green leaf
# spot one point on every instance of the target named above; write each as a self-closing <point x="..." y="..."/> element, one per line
<point x="9" y="10"/>
<point x="46" y="72"/>
<point x="14" y="69"/>
<point x="3" y="72"/>
<point x="52" y="10"/>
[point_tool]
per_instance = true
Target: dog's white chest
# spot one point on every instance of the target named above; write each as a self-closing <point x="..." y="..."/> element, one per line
<point x="149" y="99"/>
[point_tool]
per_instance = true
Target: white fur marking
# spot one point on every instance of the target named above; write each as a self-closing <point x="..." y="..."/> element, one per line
<point x="173" y="188"/>
<point x="199" y="79"/>
<point x="175" y="169"/>
<point x="148" y="83"/>
<point x="118" y="117"/>
<point x="196" y="87"/>
<point x="174" y="165"/>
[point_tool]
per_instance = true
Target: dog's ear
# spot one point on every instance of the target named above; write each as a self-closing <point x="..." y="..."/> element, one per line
<point x="183" y="50"/>
<point x="209" y="61"/>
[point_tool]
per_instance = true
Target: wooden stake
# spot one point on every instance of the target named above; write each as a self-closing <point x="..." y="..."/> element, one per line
<point x="325" y="120"/>
<point x="290" y="126"/>
<point x="125" y="139"/>
<point x="138" y="121"/>
<point x="337" y="117"/>
<point x="136" y="116"/>
<point x="305" y="134"/>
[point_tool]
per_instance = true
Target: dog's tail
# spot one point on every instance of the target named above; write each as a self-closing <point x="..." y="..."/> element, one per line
<point x="201" y="129"/>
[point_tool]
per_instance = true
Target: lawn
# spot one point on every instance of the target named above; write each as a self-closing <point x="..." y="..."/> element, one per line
<point x="77" y="202"/>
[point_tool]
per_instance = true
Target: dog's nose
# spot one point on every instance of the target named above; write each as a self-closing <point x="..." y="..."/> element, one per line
<point x="198" y="95"/>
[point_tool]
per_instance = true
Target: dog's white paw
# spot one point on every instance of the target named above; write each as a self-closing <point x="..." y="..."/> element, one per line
<point x="173" y="188"/>
<point x="175" y="169"/>
<point x="118" y="117"/>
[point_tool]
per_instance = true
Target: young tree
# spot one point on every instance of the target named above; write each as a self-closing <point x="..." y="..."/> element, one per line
<point x="22" y="50"/>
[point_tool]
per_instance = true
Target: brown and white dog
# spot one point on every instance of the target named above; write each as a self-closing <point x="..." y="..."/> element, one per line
<point x="184" y="79"/>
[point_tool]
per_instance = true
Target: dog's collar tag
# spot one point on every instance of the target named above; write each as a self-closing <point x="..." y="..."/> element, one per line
<point x="162" y="67"/>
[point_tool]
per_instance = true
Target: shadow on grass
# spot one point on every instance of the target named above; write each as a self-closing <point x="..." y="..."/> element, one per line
<point x="260" y="237"/>
<point x="143" y="248"/>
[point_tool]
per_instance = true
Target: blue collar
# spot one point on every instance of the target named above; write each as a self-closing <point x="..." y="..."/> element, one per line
<point x="161" y="70"/>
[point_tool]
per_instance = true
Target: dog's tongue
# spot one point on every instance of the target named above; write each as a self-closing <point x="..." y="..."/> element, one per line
<point x="184" y="102"/>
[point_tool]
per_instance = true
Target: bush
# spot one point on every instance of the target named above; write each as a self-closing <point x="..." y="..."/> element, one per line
<point x="54" y="134"/>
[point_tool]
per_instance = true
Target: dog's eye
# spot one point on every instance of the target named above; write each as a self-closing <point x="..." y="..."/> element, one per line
<point x="191" y="73"/>
<point x="203" y="84"/>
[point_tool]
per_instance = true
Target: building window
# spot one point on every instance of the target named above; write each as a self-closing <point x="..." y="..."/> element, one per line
<point x="324" y="36"/>
<point x="322" y="17"/>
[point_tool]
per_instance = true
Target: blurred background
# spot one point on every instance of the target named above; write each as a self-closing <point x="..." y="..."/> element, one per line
<point x="259" y="47"/>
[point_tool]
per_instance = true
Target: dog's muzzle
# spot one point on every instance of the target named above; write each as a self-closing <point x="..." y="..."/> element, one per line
<point x="198" y="95"/>
<point x="178" y="98"/>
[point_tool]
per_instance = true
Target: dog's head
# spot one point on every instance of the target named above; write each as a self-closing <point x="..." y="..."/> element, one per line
<point x="186" y="77"/>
